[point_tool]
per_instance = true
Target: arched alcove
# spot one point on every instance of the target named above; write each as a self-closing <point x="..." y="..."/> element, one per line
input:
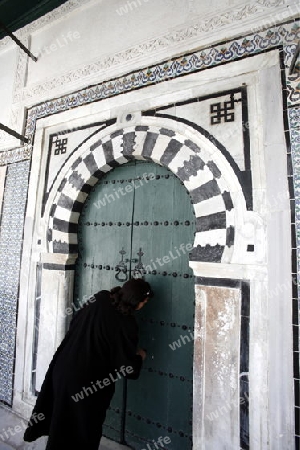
<point x="213" y="185"/>
<point x="220" y="214"/>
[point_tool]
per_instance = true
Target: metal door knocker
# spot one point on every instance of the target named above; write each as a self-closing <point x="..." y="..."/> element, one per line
<point x="138" y="271"/>
<point x="121" y="268"/>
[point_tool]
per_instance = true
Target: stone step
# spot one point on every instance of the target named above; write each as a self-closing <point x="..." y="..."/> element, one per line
<point x="12" y="429"/>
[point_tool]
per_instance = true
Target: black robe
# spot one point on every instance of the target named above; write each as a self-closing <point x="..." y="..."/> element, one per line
<point x="99" y="342"/>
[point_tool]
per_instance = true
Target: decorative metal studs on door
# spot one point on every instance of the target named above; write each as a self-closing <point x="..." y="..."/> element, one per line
<point x="122" y="270"/>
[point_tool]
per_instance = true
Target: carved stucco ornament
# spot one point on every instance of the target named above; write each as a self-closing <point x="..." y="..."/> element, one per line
<point x="15" y="155"/>
<point x="180" y="35"/>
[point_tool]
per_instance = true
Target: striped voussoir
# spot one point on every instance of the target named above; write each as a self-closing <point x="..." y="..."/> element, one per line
<point x="190" y="163"/>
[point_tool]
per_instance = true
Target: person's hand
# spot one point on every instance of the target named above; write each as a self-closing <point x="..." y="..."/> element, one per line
<point x="142" y="353"/>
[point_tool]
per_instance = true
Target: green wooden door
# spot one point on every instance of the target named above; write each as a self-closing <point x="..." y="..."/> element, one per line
<point x="153" y="222"/>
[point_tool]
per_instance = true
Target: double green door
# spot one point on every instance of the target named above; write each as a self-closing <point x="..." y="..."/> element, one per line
<point x="138" y="221"/>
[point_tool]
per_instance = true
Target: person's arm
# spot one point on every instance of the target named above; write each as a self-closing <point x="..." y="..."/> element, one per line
<point x="142" y="353"/>
<point x="126" y="352"/>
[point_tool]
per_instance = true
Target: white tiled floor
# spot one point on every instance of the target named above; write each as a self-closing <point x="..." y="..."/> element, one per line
<point x="15" y="441"/>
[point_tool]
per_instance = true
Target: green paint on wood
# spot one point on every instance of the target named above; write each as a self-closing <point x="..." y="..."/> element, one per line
<point x="155" y="214"/>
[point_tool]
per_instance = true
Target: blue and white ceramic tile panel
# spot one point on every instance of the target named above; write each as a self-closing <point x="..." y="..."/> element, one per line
<point x="294" y="121"/>
<point x="294" y="124"/>
<point x="12" y="222"/>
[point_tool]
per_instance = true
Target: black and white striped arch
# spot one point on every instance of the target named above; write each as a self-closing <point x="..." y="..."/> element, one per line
<point x="196" y="163"/>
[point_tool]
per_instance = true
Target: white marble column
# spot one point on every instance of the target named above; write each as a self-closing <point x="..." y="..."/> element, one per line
<point x="2" y="183"/>
<point x="216" y="368"/>
<point x="56" y="297"/>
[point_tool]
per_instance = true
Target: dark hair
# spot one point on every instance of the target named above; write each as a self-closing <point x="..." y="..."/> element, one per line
<point x="127" y="298"/>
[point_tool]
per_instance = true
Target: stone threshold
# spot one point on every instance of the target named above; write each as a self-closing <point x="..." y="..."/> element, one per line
<point x="13" y="439"/>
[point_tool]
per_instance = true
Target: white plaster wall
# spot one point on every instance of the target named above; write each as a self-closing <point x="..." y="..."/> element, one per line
<point x="97" y="31"/>
<point x="105" y="27"/>
<point x="8" y="65"/>
<point x="84" y="42"/>
<point x="8" y="60"/>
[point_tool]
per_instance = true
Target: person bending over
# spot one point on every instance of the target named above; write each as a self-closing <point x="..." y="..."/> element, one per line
<point x="99" y="348"/>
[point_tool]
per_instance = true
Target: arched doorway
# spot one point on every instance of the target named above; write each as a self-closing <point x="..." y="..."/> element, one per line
<point x="220" y="214"/>
<point x="143" y="209"/>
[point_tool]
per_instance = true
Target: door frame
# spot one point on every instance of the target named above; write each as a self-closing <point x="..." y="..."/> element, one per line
<point x="218" y="283"/>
